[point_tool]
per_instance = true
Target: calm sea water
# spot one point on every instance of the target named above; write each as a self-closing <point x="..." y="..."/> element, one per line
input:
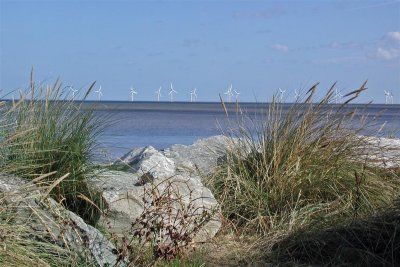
<point x="162" y="124"/>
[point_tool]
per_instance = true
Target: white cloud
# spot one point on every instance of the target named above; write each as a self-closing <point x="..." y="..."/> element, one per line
<point x="394" y="36"/>
<point x="388" y="48"/>
<point x="388" y="53"/>
<point x="280" y="47"/>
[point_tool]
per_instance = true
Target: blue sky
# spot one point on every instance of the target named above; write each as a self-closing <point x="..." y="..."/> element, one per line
<point x="258" y="46"/>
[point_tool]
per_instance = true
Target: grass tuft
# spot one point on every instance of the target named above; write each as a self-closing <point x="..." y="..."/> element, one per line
<point x="290" y="169"/>
<point x="50" y="132"/>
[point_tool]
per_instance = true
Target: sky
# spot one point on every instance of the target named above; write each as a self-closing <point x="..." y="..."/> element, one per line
<point x="257" y="46"/>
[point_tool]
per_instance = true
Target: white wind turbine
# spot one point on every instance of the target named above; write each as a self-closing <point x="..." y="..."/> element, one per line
<point x="236" y="94"/>
<point x="73" y="90"/>
<point x="281" y="92"/>
<point x="296" y="94"/>
<point x="193" y="95"/>
<point x="338" y="96"/>
<point x="133" y="92"/>
<point x="99" y="93"/>
<point x="229" y="93"/>
<point x="387" y="97"/>
<point x="171" y="93"/>
<point x="158" y="92"/>
<point x="391" y="98"/>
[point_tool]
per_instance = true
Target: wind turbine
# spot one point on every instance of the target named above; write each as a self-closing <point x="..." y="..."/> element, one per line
<point x="338" y="96"/>
<point x="99" y="93"/>
<point x="229" y="93"/>
<point x="193" y="95"/>
<point x="158" y="92"/>
<point x="391" y="98"/>
<point x="296" y="94"/>
<point x="133" y="92"/>
<point x="171" y="93"/>
<point x="281" y="92"/>
<point x="237" y="94"/>
<point x="387" y="97"/>
<point x="73" y="90"/>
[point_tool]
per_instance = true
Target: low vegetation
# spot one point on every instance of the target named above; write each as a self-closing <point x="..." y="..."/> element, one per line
<point x="166" y="230"/>
<point x="304" y="168"/>
<point x="48" y="131"/>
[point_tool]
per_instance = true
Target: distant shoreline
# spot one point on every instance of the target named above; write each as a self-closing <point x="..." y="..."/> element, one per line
<point x="207" y="106"/>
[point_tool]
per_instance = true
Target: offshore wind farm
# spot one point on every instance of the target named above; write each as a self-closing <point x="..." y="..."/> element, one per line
<point x="199" y="133"/>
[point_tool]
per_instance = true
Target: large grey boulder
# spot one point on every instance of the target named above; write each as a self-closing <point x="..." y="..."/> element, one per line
<point x="148" y="159"/>
<point x="181" y="167"/>
<point x="44" y="215"/>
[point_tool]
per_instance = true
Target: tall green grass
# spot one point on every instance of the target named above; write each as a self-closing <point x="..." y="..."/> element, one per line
<point x="46" y="131"/>
<point x="291" y="169"/>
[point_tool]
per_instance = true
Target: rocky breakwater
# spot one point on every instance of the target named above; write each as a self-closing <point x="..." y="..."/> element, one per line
<point x="176" y="173"/>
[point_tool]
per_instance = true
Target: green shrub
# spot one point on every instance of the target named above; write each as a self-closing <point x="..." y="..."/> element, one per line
<point x="52" y="132"/>
<point x="289" y="169"/>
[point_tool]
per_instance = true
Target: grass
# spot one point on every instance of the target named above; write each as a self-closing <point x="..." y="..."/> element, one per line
<point x="302" y="169"/>
<point x="50" y="141"/>
<point x="50" y="132"/>
<point x="372" y="241"/>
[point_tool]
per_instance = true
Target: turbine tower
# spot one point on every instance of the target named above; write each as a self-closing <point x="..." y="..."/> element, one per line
<point x="281" y="92"/>
<point x="193" y="95"/>
<point x="158" y="93"/>
<point x="296" y="94"/>
<point x="171" y="93"/>
<point x="133" y="92"/>
<point x="99" y="93"/>
<point x="229" y="93"/>
<point x="387" y="97"/>
<point x="237" y="94"/>
<point x="391" y="97"/>
<point x="338" y="97"/>
<point x="73" y="90"/>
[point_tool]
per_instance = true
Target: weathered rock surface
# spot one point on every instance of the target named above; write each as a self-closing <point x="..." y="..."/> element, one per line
<point x="383" y="152"/>
<point x="60" y="226"/>
<point x="202" y="156"/>
<point x="182" y="166"/>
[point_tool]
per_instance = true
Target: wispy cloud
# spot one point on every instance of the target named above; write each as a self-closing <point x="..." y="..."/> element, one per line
<point x="342" y="60"/>
<point x="280" y="47"/>
<point x="393" y="36"/>
<point x="387" y="53"/>
<point x="344" y="45"/>
<point x="389" y="47"/>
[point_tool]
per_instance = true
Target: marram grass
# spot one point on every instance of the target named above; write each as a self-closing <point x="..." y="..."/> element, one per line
<point x="295" y="168"/>
<point x="47" y="131"/>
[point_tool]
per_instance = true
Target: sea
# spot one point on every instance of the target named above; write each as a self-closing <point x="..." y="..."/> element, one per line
<point x="162" y="124"/>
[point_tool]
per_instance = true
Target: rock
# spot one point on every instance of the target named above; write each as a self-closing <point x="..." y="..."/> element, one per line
<point x="44" y="215"/>
<point x="150" y="160"/>
<point x="202" y="156"/>
<point x="382" y="152"/>
<point x="180" y="166"/>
